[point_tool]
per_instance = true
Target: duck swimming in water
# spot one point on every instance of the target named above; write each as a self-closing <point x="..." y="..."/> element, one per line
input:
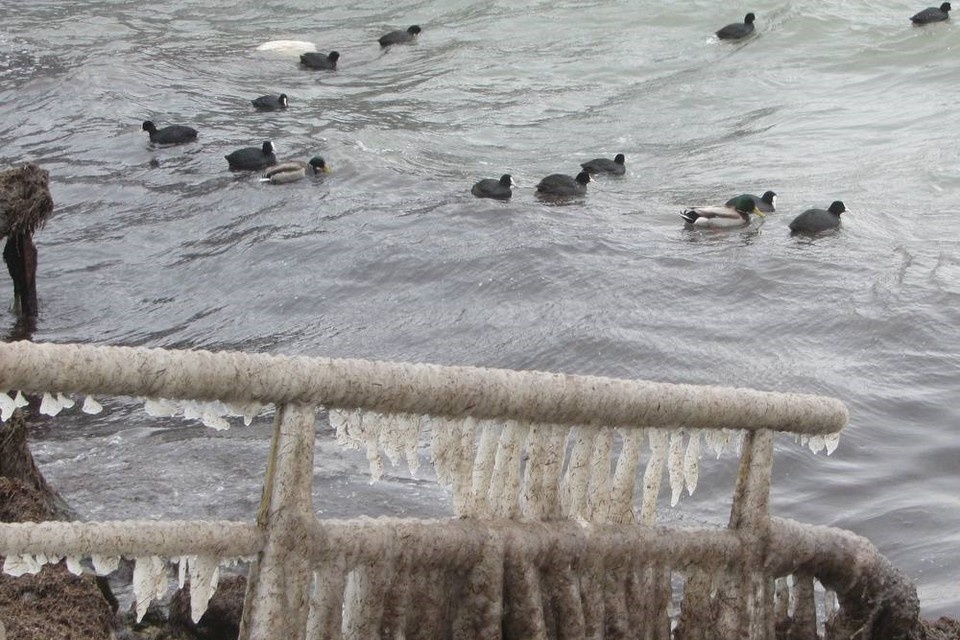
<point x="816" y="220"/>
<point x="316" y="60"/>
<point x="558" y="184"/>
<point x="496" y="189"/>
<point x="735" y="215"/>
<point x="253" y="158"/>
<point x="174" y="134"/>
<point x="294" y="170"/>
<point x="932" y="14"/>
<point x="397" y="37"/>
<point x="271" y="103"/>
<point x="737" y="30"/>
<point x="766" y="203"/>
<point x="605" y="165"/>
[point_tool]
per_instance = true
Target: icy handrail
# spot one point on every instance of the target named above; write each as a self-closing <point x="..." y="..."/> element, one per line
<point x="409" y="388"/>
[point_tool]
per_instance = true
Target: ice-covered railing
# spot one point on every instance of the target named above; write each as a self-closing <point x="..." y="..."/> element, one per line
<point x="546" y="476"/>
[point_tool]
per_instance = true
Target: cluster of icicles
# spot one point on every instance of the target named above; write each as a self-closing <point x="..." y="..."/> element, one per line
<point x="149" y="575"/>
<point x="513" y="469"/>
<point x="210" y="414"/>
<point x="497" y="469"/>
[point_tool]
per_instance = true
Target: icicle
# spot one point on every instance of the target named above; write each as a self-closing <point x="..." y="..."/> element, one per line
<point x="625" y="477"/>
<point x="736" y="439"/>
<point x="399" y="436"/>
<point x="675" y="466"/>
<point x="344" y="423"/>
<point x="365" y="432"/>
<point x="66" y="402"/>
<point x="149" y="582"/>
<point x="388" y="437"/>
<point x="247" y="410"/>
<point x="816" y="444"/>
<point x="544" y="447"/>
<point x="159" y="408"/>
<point x="104" y="565"/>
<point x="479" y="504"/>
<point x="214" y="421"/>
<point x="17" y="565"/>
<point x="691" y="462"/>
<point x="7" y="406"/>
<point x="830" y="605"/>
<point x="410" y="429"/>
<point x="718" y="440"/>
<point x="831" y="441"/>
<point x="444" y="439"/>
<point x="574" y="487"/>
<point x="91" y="406"/>
<point x="182" y="570"/>
<point x="204" y="576"/>
<point x="191" y="410"/>
<point x="74" y="565"/>
<point x="466" y="447"/>
<point x="49" y="405"/>
<point x="653" y="474"/>
<point x="505" y="483"/>
<point x="598" y="485"/>
<point x="336" y="418"/>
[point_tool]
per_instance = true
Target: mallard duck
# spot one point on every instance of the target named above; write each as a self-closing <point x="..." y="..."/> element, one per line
<point x="766" y="203"/>
<point x="396" y="37"/>
<point x="497" y="189"/>
<point x="605" y="165"/>
<point x="174" y="134"/>
<point x="253" y="158"/>
<point x="294" y="170"/>
<point x="932" y="14"/>
<point x="316" y="60"/>
<point x="559" y="184"/>
<point x="738" y="30"/>
<point x="817" y="220"/>
<point x="729" y="215"/>
<point x="271" y="103"/>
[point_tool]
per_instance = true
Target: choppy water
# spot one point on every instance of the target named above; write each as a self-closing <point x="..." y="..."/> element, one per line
<point x="391" y="258"/>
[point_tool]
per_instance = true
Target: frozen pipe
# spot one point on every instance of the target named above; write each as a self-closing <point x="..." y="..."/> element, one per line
<point x="408" y="388"/>
<point x="132" y="538"/>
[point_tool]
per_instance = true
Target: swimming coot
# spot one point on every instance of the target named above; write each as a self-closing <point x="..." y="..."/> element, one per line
<point x="817" y="220"/>
<point x="316" y="60"/>
<point x="737" y="30"/>
<point x="932" y="14"/>
<point x="253" y="158"/>
<point x="605" y="165"/>
<point x="397" y="37"/>
<point x="497" y="189"/>
<point x="271" y="103"/>
<point x="174" y="134"/>
<point x="559" y="184"/>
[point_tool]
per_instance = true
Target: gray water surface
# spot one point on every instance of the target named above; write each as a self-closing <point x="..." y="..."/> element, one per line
<point x="390" y="257"/>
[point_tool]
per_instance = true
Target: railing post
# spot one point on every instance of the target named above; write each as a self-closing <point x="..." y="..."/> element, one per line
<point x="277" y="598"/>
<point x="750" y="518"/>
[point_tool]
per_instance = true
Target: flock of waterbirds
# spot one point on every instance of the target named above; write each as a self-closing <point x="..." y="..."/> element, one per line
<point x="737" y="211"/>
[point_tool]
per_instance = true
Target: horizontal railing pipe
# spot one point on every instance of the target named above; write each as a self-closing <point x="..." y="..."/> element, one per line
<point x="409" y="388"/>
<point x="132" y="538"/>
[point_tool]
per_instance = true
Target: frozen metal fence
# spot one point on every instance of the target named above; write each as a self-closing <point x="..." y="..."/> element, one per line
<point x="546" y="476"/>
